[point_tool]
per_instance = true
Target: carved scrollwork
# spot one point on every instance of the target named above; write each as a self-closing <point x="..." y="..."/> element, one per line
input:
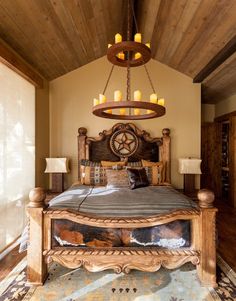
<point x="122" y="260"/>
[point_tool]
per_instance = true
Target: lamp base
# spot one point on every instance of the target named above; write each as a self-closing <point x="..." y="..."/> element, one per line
<point x="189" y="183"/>
<point x="57" y="182"/>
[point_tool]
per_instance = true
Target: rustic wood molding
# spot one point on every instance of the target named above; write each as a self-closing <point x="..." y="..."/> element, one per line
<point x="12" y="60"/>
<point x="216" y="61"/>
<point x="148" y="260"/>
<point x="122" y="222"/>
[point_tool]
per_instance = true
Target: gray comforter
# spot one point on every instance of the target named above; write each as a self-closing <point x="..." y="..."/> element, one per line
<point x="104" y="201"/>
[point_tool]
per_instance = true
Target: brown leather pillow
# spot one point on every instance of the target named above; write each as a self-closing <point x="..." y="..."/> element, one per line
<point x="137" y="178"/>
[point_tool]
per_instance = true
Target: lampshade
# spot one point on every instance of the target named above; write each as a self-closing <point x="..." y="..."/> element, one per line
<point x="190" y="166"/>
<point x="57" y="165"/>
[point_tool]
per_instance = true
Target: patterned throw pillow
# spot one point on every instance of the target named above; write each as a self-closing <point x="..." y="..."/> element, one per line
<point x="86" y="162"/>
<point x="155" y="171"/>
<point x="117" y="178"/>
<point x="134" y="164"/>
<point x="94" y="175"/>
<point x="112" y="163"/>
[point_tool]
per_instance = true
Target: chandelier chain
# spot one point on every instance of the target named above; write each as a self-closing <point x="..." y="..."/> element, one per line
<point x="105" y="88"/>
<point x="149" y="77"/>
<point x="128" y="84"/>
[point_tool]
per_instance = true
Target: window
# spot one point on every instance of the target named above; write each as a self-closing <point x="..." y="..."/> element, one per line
<point x="17" y="152"/>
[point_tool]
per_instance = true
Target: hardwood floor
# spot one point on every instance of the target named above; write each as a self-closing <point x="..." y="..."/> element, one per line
<point x="10" y="261"/>
<point x="226" y="227"/>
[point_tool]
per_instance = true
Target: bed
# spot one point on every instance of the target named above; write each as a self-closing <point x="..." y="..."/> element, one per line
<point x="99" y="227"/>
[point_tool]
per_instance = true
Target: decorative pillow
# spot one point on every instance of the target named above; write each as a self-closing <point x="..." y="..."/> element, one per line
<point x="134" y="164"/>
<point x="155" y="171"/>
<point x="117" y="178"/>
<point x="94" y="175"/>
<point x="86" y="162"/>
<point x="146" y="163"/>
<point x="112" y="163"/>
<point x="137" y="178"/>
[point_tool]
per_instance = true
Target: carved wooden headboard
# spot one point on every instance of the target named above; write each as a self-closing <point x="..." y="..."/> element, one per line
<point x="125" y="141"/>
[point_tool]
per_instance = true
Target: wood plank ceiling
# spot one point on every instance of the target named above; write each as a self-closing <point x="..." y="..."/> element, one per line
<point x="58" y="36"/>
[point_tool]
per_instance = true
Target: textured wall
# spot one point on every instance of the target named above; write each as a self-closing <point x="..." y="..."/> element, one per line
<point x="71" y="98"/>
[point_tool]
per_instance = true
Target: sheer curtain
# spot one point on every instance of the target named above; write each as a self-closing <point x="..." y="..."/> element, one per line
<point x="17" y="152"/>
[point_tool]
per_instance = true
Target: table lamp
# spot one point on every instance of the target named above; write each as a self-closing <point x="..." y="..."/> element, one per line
<point x="57" y="167"/>
<point x="189" y="167"/>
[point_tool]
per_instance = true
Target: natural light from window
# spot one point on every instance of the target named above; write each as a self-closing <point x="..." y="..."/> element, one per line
<point x="17" y="152"/>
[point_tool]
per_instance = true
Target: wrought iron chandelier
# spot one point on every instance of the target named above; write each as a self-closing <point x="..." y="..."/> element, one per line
<point x="129" y="54"/>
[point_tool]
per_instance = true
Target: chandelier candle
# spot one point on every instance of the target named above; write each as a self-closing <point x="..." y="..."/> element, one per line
<point x="138" y="37"/>
<point x="161" y="102"/>
<point x="137" y="55"/>
<point x="117" y="95"/>
<point x="121" y="56"/>
<point x="137" y="97"/>
<point x="122" y="111"/>
<point x="95" y="101"/>
<point x="118" y="38"/>
<point x="102" y="98"/>
<point x="147" y="44"/>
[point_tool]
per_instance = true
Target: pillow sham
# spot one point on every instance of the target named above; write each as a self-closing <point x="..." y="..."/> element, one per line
<point x="137" y="177"/>
<point x="112" y="163"/>
<point x="94" y="175"/>
<point x="155" y="170"/>
<point x="117" y="178"/>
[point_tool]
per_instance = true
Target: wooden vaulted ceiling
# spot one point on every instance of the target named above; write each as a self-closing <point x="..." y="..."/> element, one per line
<point x="58" y="36"/>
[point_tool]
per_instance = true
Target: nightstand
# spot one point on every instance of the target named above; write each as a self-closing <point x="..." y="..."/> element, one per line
<point x="50" y="195"/>
<point x="192" y="195"/>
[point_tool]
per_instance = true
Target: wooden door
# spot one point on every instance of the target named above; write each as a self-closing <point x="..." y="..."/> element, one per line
<point x="211" y="157"/>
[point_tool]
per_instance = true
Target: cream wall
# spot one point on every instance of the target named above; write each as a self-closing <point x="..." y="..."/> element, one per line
<point x="71" y="98"/>
<point x="41" y="134"/>
<point x="226" y="106"/>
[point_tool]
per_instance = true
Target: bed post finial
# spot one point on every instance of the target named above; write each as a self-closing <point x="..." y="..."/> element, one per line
<point x="166" y="132"/>
<point x="82" y="131"/>
<point x="37" y="197"/>
<point x="206" y="198"/>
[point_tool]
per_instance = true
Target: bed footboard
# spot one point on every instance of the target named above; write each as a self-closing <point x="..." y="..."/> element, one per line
<point x="202" y="252"/>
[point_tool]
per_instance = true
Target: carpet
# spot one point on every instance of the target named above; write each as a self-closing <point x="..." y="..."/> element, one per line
<point x="165" y="285"/>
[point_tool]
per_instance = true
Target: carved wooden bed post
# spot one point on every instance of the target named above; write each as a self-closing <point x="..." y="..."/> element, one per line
<point x="165" y="154"/>
<point x="36" y="265"/>
<point x="207" y="242"/>
<point x="82" y="150"/>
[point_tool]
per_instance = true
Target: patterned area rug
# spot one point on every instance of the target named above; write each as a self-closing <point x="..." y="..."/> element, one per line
<point x="165" y="285"/>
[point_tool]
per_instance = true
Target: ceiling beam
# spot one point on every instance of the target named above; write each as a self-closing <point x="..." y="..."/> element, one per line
<point x="216" y="61"/>
<point x="11" y="59"/>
